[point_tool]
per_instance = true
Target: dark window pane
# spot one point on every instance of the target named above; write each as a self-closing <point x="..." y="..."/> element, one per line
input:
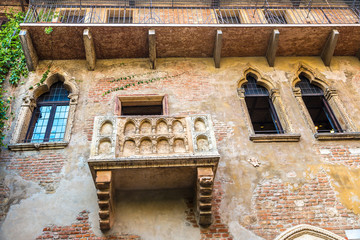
<point x="319" y="114"/>
<point x="252" y="89"/>
<point x="318" y="107"/>
<point x="142" y="110"/>
<point x="307" y="88"/>
<point x="262" y="115"/>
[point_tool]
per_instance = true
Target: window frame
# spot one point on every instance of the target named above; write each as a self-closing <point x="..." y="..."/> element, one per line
<point x="348" y="130"/>
<point x="54" y="105"/>
<point x="274" y="96"/>
<point x="26" y="112"/>
<point x="141" y="99"/>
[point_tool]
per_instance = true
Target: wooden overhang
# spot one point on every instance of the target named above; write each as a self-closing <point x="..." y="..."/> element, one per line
<point x="132" y="41"/>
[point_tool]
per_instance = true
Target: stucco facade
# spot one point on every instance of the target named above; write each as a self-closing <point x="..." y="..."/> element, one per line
<point x="261" y="189"/>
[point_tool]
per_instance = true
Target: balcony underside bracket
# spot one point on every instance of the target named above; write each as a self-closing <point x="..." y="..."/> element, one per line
<point x="105" y="195"/>
<point x="217" y="48"/>
<point x="329" y="47"/>
<point x="89" y="50"/>
<point x="152" y="49"/>
<point x="204" y="188"/>
<point x="272" y="47"/>
<point x="29" y="50"/>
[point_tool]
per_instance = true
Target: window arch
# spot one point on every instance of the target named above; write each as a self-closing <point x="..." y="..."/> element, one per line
<point x="261" y="109"/>
<point x="49" y="118"/>
<point x="321" y="105"/>
<point x="46" y="115"/>
<point x="318" y="107"/>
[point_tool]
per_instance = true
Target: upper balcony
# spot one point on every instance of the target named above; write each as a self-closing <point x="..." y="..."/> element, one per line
<point x="91" y="29"/>
<point x="194" y="12"/>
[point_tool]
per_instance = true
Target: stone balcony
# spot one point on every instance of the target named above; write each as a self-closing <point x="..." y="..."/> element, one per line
<point x="153" y="152"/>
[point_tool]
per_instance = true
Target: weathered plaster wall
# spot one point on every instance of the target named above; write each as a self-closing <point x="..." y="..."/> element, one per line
<point x="297" y="182"/>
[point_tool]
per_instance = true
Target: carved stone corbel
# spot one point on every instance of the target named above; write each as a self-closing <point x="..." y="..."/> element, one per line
<point x="105" y="195"/>
<point x="204" y="187"/>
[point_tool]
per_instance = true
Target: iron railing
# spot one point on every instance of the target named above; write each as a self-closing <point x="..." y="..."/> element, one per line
<point x="195" y="12"/>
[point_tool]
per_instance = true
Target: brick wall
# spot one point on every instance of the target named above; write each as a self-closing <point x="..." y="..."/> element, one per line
<point x="218" y="230"/>
<point x="279" y="206"/>
<point x="43" y="168"/>
<point x="341" y="155"/>
<point x="79" y="230"/>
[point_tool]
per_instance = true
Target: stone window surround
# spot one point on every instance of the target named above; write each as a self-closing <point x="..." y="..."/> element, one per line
<point x="27" y="107"/>
<point x="305" y="229"/>
<point x="142" y="98"/>
<point x="274" y="95"/>
<point x="330" y="94"/>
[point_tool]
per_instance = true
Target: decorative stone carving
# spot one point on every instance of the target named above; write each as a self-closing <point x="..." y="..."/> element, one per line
<point x="179" y="146"/>
<point x="302" y="230"/>
<point x="146" y="146"/>
<point x="105" y="195"/>
<point x="205" y="181"/>
<point x="163" y="146"/>
<point x="152" y="142"/>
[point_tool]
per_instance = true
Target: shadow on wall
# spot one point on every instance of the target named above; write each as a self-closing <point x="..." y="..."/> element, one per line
<point x="155" y="214"/>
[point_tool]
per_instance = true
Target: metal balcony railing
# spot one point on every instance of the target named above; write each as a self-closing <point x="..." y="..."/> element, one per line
<point x="194" y="12"/>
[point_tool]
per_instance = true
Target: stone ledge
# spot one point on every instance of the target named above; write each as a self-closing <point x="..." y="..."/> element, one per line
<point x="337" y="136"/>
<point x="37" y="146"/>
<point x="154" y="162"/>
<point x="275" y="137"/>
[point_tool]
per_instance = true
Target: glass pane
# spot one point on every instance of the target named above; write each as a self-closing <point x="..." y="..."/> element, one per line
<point x="59" y="124"/>
<point x="42" y="115"/>
<point x="263" y="119"/>
<point x="57" y="93"/>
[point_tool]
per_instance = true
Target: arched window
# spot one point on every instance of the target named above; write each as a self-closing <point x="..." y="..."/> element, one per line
<point x="261" y="108"/>
<point x="318" y="107"/>
<point x="49" y="118"/>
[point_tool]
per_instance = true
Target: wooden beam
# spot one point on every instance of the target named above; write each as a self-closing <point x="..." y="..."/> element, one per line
<point x="329" y="47"/>
<point x="89" y="49"/>
<point x="152" y="49"/>
<point x="272" y="47"/>
<point x="217" y="48"/>
<point x="29" y="50"/>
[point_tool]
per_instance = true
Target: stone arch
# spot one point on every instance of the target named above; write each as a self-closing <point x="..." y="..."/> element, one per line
<point x="302" y="230"/>
<point x="29" y="104"/>
<point x="162" y="126"/>
<point x="69" y="85"/>
<point x="129" y="128"/>
<point x="145" y="126"/>
<point x="259" y="79"/>
<point x="314" y="76"/>
<point x="106" y="127"/>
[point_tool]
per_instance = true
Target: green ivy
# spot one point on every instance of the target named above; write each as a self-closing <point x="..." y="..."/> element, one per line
<point x="137" y="79"/>
<point x="12" y="63"/>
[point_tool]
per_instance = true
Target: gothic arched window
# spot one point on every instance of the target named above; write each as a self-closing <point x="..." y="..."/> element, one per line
<point x="49" y="118"/>
<point x="318" y="107"/>
<point x="261" y="109"/>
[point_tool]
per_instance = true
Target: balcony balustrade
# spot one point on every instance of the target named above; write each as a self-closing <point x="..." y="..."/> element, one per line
<point x="153" y="152"/>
